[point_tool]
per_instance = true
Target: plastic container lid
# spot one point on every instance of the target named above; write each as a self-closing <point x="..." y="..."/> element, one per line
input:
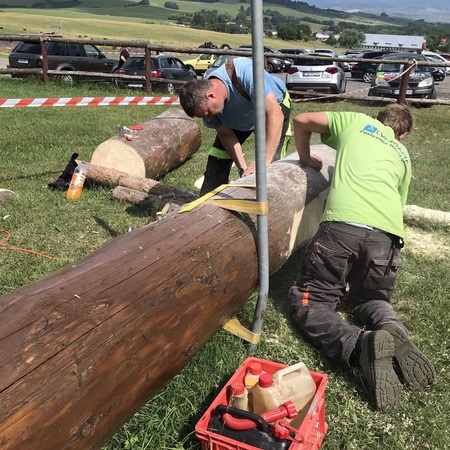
<point x="265" y="380"/>
<point x="255" y="369"/>
<point x="237" y="388"/>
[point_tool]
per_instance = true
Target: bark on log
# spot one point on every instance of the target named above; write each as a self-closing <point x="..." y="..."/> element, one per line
<point x="84" y="348"/>
<point x="165" y="142"/>
<point x="105" y="176"/>
<point x="155" y="203"/>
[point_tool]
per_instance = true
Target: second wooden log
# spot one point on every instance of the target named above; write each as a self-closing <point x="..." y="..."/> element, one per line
<point x="163" y="143"/>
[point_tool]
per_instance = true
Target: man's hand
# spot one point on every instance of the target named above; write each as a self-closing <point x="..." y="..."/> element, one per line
<point x="313" y="161"/>
<point x="251" y="168"/>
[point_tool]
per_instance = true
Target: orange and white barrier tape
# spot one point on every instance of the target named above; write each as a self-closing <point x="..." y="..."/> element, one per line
<point x="86" y="101"/>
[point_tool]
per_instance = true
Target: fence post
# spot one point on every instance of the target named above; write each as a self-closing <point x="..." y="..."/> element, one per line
<point x="404" y="84"/>
<point x="148" y="65"/>
<point x="44" y="60"/>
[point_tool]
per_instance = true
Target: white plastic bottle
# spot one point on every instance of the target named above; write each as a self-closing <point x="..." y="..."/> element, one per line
<point x="296" y="384"/>
<point x="76" y="183"/>
<point x="238" y="395"/>
<point x="265" y="395"/>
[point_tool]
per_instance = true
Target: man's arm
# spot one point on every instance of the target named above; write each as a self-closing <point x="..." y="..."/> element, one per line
<point x="232" y="145"/>
<point x="274" y="127"/>
<point x="304" y="125"/>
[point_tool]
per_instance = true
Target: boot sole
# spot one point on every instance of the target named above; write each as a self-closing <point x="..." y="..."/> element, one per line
<point x="384" y="385"/>
<point x="414" y="366"/>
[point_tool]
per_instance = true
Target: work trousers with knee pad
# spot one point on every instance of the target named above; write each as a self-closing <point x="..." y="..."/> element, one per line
<point x="345" y="263"/>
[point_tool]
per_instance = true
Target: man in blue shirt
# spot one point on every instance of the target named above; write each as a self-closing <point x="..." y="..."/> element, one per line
<point x="225" y="102"/>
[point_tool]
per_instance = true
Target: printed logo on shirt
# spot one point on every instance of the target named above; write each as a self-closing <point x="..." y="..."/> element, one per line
<point x="370" y="129"/>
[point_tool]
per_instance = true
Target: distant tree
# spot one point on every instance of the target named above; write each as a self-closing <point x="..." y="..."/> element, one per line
<point x="351" y="38"/>
<point x="171" y="5"/>
<point x="331" y="40"/>
<point x="287" y="32"/>
<point x="383" y="14"/>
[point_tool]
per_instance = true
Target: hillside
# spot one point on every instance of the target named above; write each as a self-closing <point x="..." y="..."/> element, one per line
<point x="125" y="19"/>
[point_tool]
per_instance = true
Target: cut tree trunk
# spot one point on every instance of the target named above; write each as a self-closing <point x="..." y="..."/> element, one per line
<point x="105" y="176"/>
<point x="165" y="142"/>
<point x="6" y="194"/>
<point x="84" y="348"/>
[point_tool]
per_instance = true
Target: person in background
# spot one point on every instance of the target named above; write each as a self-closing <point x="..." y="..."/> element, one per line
<point x="225" y="102"/>
<point x="124" y="55"/>
<point x="355" y="254"/>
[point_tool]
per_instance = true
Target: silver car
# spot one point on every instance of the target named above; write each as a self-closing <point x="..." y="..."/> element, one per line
<point x="316" y="75"/>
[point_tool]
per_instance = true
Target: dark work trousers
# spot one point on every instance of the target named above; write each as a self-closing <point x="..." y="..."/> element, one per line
<point x="344" y="257"/>
<point x="218" y="170"/>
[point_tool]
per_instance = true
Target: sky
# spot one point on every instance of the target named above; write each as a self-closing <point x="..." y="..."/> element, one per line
<point x="429" y="10"/>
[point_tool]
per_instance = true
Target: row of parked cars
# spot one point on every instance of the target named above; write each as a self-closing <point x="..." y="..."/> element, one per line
<point x="316" y="72"/>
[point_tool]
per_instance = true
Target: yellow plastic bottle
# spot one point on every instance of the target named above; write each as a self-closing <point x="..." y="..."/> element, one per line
<point x="76" y="183"/>
<point x="265" y="395"/>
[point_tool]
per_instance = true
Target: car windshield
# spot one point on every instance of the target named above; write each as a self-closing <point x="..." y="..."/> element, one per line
<point x="395" y="67"/>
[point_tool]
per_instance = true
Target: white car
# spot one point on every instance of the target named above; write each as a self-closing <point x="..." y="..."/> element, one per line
<point x="316" y="75"/>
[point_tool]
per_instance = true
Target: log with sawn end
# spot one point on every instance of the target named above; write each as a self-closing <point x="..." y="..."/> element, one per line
<point x="163" y="143"/>
<point x="83" y="349"/>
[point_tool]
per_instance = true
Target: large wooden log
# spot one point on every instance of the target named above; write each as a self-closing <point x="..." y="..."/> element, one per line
<point x="165" y="142"/>
<point x="84" y="348"/>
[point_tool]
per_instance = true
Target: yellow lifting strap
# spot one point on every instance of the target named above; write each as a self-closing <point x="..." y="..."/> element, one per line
<point x="235" y="327"/>
<point x="233" y="204"/>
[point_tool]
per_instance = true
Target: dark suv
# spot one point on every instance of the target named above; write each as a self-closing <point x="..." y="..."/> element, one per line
<point x="366" y="70"/>
<point x="275" y="63"/>
<point x="62" y="56"/>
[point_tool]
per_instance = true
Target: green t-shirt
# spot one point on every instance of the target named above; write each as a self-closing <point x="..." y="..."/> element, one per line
<point x="372" y="173"/>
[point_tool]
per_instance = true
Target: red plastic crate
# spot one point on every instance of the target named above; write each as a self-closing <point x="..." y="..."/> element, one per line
<point x="311" y="431"/>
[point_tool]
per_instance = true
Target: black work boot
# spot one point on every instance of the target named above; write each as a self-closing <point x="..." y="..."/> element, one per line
<point x="376" y="361"/>
<point x="415" y="367"/>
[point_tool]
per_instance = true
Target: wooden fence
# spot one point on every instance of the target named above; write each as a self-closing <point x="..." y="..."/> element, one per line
<point x="148" y="48"/>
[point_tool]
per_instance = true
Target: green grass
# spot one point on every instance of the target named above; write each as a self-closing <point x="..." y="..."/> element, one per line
<point x="104" y="19"/>
<point x="36" y="144"/>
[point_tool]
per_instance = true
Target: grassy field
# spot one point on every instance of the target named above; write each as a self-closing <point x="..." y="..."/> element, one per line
<point x="105" y="19"/>
<point x="35" y="147"/>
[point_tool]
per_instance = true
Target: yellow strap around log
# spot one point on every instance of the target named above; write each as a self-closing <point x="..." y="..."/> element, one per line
<point x="235" y="327"/>
<point x="246" y="206"/>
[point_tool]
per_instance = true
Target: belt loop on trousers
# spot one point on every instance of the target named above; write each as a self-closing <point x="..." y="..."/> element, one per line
<point x="325" y="226"/>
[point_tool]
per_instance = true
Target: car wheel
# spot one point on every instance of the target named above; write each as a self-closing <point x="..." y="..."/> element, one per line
<point x="270" y="68"/>
<point x="66" y="79"/>
<point x="368" y="77"/>
<point x="170" y="88"/>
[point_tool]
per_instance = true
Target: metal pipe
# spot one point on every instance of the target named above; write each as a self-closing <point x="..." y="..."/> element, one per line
<point x="260" y="160"/>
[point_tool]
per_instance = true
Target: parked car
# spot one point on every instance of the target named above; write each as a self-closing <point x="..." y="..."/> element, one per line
<point x="386" y="83"/>
<point x="275" y="63"/>
<point x="316" y="75"/>
<point x="162" y="66"/>
<point x="62" y="56"/>
<point x="366" y="70"/>
<point x="437" y="72"/>
<point x="327" y="51"/>
<point x="220" y="61"/>
<point x="292" y="51"/>
<point x="438" y="58"/>
<point x="201" y="63"/>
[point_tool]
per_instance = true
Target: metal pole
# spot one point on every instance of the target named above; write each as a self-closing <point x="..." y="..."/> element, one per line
<point x="260" y="160"/>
